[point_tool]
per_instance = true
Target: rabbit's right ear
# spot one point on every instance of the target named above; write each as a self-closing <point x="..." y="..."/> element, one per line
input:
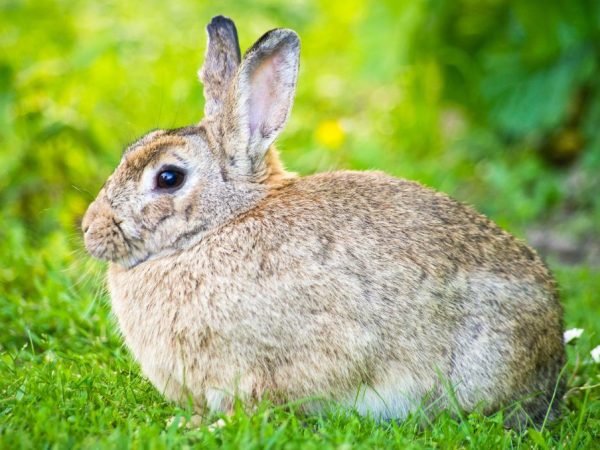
<point x="220" y="64"/>
<point x="260" y="100"/>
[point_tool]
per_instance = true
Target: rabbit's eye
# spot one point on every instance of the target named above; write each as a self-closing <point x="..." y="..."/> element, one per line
<point x="169" y="179"/>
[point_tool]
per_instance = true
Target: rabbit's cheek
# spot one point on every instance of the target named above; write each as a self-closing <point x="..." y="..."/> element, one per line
<point x="130" y="230"/>
<point x="153" y="215"/>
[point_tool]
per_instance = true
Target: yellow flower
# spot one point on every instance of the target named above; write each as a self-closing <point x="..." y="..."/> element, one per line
<point x="330" y="134"/>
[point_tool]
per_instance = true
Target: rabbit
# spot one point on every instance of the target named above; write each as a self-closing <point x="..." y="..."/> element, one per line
<point x="232" y="278"/>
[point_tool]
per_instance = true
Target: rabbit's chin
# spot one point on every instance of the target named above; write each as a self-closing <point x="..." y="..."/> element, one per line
<point x="132" y="261"/>
<point x="126" y="260"/>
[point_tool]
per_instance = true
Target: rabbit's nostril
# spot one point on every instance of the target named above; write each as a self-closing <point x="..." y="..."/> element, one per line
<point x="86" y="228"/>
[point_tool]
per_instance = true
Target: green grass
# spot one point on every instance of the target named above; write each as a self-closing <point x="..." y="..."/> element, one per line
<point x="397" y="86"/>
<point x="66" y="379"/>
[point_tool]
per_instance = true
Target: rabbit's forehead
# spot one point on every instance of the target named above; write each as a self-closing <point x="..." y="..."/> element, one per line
<point x="142" y="156"/>
<point x="184" y="147"/>
<point x="163" y="148"/>
<point x="153" y="145"/>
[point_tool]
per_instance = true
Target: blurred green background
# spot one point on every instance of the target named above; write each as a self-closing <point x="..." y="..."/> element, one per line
<point x="495" y="102"/>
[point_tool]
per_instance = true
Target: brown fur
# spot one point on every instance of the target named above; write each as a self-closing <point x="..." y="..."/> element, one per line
<point x="249" y="280"/>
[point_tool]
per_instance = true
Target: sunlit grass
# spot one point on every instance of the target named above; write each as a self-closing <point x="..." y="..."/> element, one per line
<point x="67" y="380"/>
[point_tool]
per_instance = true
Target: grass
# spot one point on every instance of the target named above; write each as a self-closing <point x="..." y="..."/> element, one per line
<point x="66" y="380"/>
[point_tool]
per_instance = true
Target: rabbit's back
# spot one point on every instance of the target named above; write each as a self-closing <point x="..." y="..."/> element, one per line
<point x="342" y="280"/>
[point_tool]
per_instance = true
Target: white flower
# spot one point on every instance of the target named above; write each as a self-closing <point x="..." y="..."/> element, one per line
<point x="596" y="354"/>
<point x="572" y="334"/>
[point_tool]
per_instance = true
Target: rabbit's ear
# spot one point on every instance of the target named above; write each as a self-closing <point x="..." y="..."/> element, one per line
<point x="262" y="95"/>
<point x="220" y="64"/>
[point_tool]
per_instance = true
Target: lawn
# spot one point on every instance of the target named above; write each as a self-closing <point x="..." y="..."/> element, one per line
<point x="80" y="80"/>
<point x="67" y="380"/>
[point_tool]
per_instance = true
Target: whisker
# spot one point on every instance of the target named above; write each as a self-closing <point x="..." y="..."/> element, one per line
<point x="84" y="191"/>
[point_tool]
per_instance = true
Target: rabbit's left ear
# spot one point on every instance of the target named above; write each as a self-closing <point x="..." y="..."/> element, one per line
<point x="220" y="64"/>
<point x="261" y="97"/>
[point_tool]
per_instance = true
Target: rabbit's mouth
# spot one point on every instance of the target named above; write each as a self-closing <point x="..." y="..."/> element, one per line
<point x="122" y="251"/>
<point x="106" y="240"/>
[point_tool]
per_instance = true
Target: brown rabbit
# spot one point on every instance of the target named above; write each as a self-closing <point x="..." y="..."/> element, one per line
<point x="231" y="277"/>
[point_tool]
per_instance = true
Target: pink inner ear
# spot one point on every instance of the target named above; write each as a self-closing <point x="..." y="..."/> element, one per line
<point x="264" y="112"/>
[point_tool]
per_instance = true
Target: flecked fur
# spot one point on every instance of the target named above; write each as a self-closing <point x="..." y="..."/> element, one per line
<point x="357" y="287"/>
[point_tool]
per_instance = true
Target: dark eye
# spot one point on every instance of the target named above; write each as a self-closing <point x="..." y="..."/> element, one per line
<point x="169" y="179"/>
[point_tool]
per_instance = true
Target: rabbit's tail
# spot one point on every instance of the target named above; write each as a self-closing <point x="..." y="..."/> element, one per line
<point x="538" y="410"/>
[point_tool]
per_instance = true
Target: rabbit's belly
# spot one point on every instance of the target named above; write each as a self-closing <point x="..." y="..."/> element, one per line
<point x="381" y="402"/>
<point x="393" y="397"/>
<point x="177" y="368"/>
<point x="152" y="337"/>
<point x="160" y="359"/>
